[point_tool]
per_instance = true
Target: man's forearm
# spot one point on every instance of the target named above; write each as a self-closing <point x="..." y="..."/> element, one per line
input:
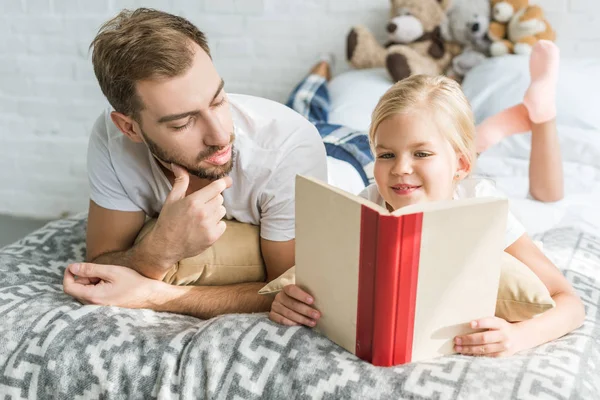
<point x="136" y="259"/>
<point x="209" y="301"/>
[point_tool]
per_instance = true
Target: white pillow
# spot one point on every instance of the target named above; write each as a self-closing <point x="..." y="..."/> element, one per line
<point x="354" y="95"/>
<point x="344" y="176"/>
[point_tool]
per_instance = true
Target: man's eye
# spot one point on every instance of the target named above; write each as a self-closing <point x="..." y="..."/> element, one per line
<point x="182" y="127"/>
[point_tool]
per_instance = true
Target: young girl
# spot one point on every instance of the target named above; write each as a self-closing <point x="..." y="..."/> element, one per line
<point x="536" y="114"/>
<point x="423" y="139"/>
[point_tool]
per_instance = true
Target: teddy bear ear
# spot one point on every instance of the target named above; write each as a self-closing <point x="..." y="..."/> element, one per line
<point x="445" y="3"/>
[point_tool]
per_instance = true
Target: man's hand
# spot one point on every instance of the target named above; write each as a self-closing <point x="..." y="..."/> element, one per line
<point x="112" y="285"/>
<point x="187" y="225"/>
<point x="109" y="285"/>
<point x="292" y="307"/>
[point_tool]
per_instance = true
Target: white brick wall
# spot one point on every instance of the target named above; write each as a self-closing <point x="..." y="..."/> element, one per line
<point x="49" y="97"/>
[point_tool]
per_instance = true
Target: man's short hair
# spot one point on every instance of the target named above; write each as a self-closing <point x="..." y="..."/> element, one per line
<point x="141" y="44"/>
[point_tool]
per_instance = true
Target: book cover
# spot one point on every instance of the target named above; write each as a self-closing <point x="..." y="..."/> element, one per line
<point x="397" y="287"/>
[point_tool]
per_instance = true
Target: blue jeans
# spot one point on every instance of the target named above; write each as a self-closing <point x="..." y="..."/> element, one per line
<point x="310" y="98"/>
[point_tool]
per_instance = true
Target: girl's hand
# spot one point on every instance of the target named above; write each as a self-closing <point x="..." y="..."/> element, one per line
<point x="499" y="340"/>
<point x="292" y="307"/>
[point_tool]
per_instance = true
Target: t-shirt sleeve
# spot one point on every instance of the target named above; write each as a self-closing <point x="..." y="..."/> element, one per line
<point x="514" y="228"/>
<point x="304" y="154"/>
<point x="105" y="188"/>
<point x="371" y="193"/>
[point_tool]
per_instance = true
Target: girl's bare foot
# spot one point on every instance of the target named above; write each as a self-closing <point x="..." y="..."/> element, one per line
<point x="322" y="69"/>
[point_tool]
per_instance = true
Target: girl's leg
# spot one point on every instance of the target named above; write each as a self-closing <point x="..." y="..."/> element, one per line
<point x="538" y="104"/>
<point x="545" y="164"/>
<point x="495" y="128"/>
<point x="540" y="98"/>
<point x="310" y="97"/>
<point x="538" y="114"/>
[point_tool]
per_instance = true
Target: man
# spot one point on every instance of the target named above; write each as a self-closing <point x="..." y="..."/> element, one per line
<point x="174" y="144"/>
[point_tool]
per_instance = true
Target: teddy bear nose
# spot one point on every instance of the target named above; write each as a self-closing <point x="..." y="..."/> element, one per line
<point x="475" y="27"/>
<point x="391" y="27"/>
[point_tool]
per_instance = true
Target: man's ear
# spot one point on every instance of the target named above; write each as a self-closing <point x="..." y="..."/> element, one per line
<point x="127" y="126"/>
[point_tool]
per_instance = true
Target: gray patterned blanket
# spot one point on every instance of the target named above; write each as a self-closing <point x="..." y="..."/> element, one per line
<point x="51" y="346"/>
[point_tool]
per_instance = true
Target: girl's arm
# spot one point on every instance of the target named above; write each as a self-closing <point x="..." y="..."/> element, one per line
<point x="545" y="164"/>
<point x="569" y="312"/>
<point x="499" y="338"/>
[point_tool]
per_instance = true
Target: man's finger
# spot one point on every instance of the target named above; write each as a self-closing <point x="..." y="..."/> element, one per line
<point x="211" y="190"/>
<point x="87" y="281"/>
<point x="296" y="293"/>
<point x="280" y="319"/>
<point x="68" y="278"/>
<point x="280" y="309"/>
<point x="215" y="202"/>
<point x="89" y="270"/>
<point x="298" y="307"/>
<point x="80" y="291"/>
<point x="180" y="186"/>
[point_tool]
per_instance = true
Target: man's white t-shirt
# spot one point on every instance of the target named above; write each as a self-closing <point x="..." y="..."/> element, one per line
<point x="467" y="188"/>
<point x="273" y="143"/>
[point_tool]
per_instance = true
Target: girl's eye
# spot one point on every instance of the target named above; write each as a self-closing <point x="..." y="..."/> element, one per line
<point x="386" y="156"/>
<point x="421" y="154"/>
<point x="220" y="103"/>
<point x="182" y="127"/>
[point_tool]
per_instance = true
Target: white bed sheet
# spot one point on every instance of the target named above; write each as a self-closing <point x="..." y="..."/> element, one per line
<point x="578" y="208"/>
<point x="344" y="176"/>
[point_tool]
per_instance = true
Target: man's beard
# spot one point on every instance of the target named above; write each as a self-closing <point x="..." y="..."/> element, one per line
<point x="212" y="173"/>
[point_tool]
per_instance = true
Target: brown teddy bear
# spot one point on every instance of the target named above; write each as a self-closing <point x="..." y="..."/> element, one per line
<point x="516" y="26"/>
<point x="416" y="45"/>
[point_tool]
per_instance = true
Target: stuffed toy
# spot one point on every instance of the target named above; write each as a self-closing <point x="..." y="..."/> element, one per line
<point x="467" y="24"/>
<point x="516" y="26"/>
<point x="416" y="45"/>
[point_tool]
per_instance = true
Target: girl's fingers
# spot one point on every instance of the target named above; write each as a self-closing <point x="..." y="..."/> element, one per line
<point x="488" y="323"/>
<point x="486" y="337"/>
<point x="482" y="350"/>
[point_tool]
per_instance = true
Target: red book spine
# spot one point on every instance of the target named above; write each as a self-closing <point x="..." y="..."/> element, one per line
<point x="407" y="290"/>
<point x="387" y="277"/>
<point x="366" y="283"/>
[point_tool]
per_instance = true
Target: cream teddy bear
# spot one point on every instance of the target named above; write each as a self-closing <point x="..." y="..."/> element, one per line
<point x="516" y="26"/>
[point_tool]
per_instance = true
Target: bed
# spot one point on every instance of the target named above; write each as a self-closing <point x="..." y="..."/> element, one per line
<point x="53" y="347"/>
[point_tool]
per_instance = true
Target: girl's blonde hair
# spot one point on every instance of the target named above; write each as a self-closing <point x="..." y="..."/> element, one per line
<point x="443" y="98"/>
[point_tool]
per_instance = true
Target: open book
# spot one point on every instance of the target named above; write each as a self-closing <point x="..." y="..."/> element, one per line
<point x="397" y="287"/>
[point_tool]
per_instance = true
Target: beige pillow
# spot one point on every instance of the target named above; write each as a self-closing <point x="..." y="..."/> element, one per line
<point x="277" y="285"/>
<point x="234" y="258"/>
<point x="521" y="294"/>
